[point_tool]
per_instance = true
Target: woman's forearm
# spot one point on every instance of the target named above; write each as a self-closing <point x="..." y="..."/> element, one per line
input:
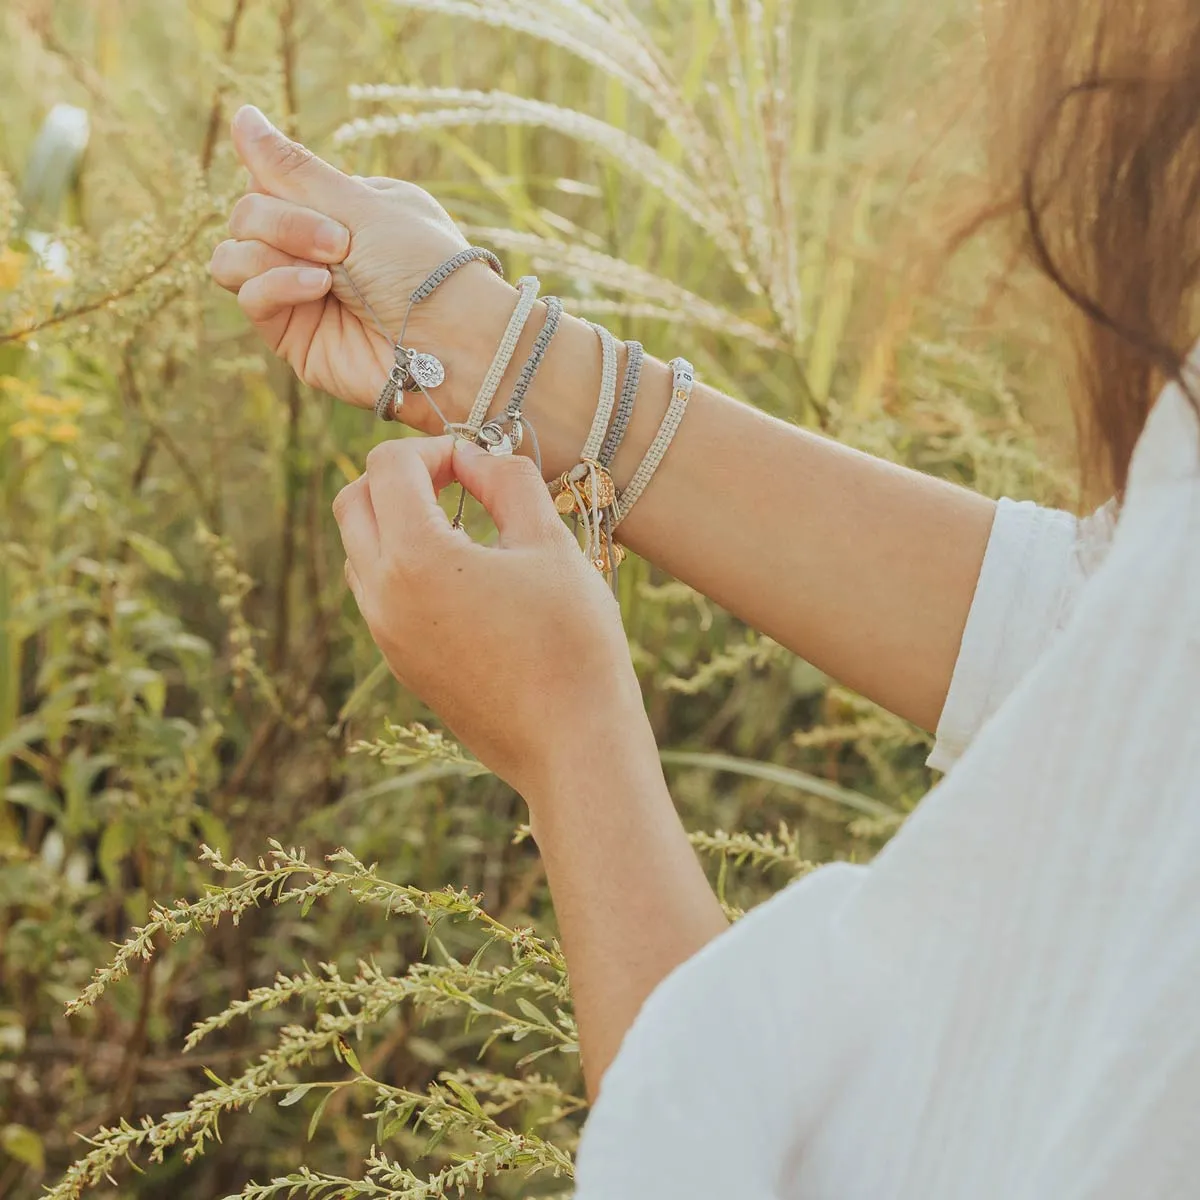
<point x="863" y="568"/>
<point x="631" y="900"/>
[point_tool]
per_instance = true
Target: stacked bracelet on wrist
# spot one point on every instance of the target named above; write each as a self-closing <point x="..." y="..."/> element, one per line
<point x="587" y="491"/>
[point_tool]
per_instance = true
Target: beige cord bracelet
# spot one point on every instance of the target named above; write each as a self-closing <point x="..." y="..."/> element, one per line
<point x="683" y="379"/>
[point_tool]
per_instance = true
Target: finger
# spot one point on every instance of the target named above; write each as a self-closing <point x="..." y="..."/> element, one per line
<point x="381" y="183"/>
<point x="266" y="296"/>
<point x="292" y="228"/>
<point x="354" y="583"/>
<point x="292" y="172"/>
<point x="511" y="489"/>
<point x="235" y="263"/>
<point x="355" y="516"/>
<point x="405" y="476"/>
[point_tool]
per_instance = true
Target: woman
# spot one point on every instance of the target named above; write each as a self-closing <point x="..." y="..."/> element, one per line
<point x="1003" y="1004"/>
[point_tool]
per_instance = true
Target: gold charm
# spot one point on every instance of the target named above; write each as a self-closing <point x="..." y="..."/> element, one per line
<point x="606" y="490"/>
<point x="564" y="502"/>
<point x="611" y="556"/>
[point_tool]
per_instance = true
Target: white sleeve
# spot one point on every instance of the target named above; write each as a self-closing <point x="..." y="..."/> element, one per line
<point x="716" y="1047"/>
<point x="1036" y="564"/>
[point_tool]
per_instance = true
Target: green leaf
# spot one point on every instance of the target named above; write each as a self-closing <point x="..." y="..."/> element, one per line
<point x="156" y="557"/>
<point x="534" y="1013"/>
<point x="117" y="840"/>
<point x="397" y="1121"/>
<point x="466" y="1098"/>
<point x="316" y="1117"/>
<point x="296" y="1094"/>
<point x="349" y="1055"/>
<point x="20" y="1142"/>
<point x="35" y="796"/>
<point x="21" y="736"/>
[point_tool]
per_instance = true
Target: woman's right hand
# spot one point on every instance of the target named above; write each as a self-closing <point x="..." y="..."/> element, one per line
<point x="300" y="218"/>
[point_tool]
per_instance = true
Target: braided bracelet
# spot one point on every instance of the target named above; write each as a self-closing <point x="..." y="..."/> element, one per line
<point x="414" y="370"/>
<point x="683" y="379"/>
<point x="563" y="491"/>
<point x="629" y="389"/>
<point x="608" y="395"/>
<point x="529" y="285"/>
<point x="513" y="411"/>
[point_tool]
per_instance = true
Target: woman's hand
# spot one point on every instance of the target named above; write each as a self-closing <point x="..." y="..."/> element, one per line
<point x="519" y="647"/>
<point x="303" y="216"/>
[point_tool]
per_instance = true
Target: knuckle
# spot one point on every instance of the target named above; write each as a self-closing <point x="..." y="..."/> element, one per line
<point x="219" y="264"/>
<point x="341" y="506"/>
<point x="291" y="157"/>
<point x="384" y="455"/>
<point x="294" y="226"/>
<point x="241" y="217"/>
<point x="250" y="295"/>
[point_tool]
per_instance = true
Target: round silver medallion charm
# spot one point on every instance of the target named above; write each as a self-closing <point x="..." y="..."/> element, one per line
<point x="425" y="370"/>
<point x="494" y="440"/>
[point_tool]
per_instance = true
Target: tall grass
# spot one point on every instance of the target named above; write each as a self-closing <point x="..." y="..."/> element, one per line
<point x="386" y="1013"/>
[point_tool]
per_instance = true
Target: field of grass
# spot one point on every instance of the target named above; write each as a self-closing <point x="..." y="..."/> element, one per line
<point x="748" y="182"/>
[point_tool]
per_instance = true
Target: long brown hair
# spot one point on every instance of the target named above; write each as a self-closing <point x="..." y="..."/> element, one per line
<point x="1096" y="112"/>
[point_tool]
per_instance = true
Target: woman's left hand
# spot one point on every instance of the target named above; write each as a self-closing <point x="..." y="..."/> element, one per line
<point x="518" y="647"/>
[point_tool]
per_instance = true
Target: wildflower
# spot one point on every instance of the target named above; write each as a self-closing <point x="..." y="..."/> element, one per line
<point x="64" y="433"/>
<point x="42" y="405"/>
<point x="27" y="428"/>
<point x="11" y="264"/>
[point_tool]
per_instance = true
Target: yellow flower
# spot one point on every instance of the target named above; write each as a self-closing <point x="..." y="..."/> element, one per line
<point x="11" y="265"/>
<point x="43" y="405"/>
<point x="64" y="433"/>
<point x="27" y="428"/>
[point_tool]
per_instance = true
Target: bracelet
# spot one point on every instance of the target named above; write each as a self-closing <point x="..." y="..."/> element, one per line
<point x="629" y="388"/>
<point x="589" y="473"/>
<point x="683" y="379"/>
<point x="608" y="395"/>
<point x="529" y="286"/>
<point x="414" y="370"/>
<point x="517" y="423"/>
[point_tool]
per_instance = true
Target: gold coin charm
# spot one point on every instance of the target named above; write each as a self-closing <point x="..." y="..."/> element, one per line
<point x="611" y="556"/>
<point x="606" y="490"/>
<point x="564" y="502"/>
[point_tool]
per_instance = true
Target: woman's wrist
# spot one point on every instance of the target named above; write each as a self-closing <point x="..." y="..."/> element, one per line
<point x="611" y="755"/>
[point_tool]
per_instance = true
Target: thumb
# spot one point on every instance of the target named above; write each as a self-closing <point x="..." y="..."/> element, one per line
<point x="511" y="489"/>
<point x="293" y="172"/>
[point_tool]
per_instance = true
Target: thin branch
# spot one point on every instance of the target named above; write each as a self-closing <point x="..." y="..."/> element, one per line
<point x="213" y="131"/>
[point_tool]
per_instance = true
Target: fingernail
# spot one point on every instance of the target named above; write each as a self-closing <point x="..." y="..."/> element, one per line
<point x="469" y="448"/>
<point x="332" y="238"/>
<point x="253" y="122"/>
<point x="312" y="278"/>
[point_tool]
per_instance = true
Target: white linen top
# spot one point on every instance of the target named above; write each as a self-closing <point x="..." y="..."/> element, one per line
<point x="1006" y="1002"/>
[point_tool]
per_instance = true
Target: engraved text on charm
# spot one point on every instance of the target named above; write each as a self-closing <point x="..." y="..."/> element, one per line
<point x="425" y="370"/>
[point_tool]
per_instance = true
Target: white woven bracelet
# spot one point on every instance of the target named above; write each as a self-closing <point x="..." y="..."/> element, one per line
<point x="529" y="286"/>
<point x="683" y="379"/>
<point x="608" y="395"/>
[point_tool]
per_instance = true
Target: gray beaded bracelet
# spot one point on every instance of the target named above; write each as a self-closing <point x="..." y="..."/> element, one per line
<point x="513" y="410"/>
<point x="629" y="389"/>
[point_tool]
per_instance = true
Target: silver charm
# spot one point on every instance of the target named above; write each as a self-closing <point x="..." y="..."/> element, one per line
<point x="424" y="370"/>
<point x="494" y="440"/>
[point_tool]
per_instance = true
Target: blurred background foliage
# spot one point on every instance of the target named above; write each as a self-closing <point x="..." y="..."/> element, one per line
<point x="760" y="184"/>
